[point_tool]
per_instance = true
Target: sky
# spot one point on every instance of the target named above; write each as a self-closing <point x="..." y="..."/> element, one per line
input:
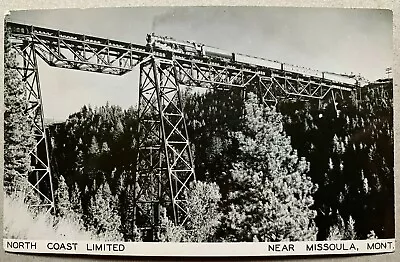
<point x="336" y="40"/>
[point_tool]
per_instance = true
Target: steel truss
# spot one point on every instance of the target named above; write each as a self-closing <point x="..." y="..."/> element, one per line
<point x="164" y="162"/>
<point x="81" y="52"/>
<point x="271" y="86"/>
<point x="39" y="176"/>
<point x="165" y="166"/>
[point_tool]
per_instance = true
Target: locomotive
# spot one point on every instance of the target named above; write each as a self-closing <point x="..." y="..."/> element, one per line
<point x="192" y="48"/>
<point x="186" y="47"/>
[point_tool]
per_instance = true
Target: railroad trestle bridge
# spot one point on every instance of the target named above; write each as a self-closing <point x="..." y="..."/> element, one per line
<point x="164" y="149"/>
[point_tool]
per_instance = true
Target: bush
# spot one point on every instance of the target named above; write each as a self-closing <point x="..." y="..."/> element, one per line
<point x="20" y="223"/>
<point x="204" y="216"/>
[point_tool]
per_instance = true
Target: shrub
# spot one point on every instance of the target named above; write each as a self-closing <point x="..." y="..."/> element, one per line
<point x="20" y="223"/>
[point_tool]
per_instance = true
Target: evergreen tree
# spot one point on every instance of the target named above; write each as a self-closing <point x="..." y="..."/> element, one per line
<point x="76" y="202"/>
<point x="272" y="195"/>
<point x="211" y="116"/>
<point x="350" y="233"/>
<point x="202" y="203"/>
<point x="18" y="138"/>
<point x="372" y="235"/>
<point x="104" y="218"/>
<point x="105" y="148"/>
<point x="337" y="231"/>
<point x="62" y="203"/>
<point x="204" y="216"/>
<point x="171" y="232"/>
<point x="94" y="147"/>
<point x="128" y="228"/>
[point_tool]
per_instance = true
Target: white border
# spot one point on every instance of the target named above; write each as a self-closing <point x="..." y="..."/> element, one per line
<point x="202" y="249"/>
<point x="164" y="248"/>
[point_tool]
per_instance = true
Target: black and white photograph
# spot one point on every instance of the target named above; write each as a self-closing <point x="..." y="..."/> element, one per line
<point x="127" y="127"/>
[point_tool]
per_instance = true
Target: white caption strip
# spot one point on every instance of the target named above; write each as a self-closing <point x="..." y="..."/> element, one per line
<point x="200" y="249"/>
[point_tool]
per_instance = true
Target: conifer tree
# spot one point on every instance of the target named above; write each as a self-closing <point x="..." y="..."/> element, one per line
<point x="94" y="147"/>
<point x="202" y="204"/>
<point x="337" y="230"/>
<point x="272" y="195"/>
<point x="105" y="148"/>
<point x="350" y="233"/>
<point x="128" y="228"/>
<point x="104" y="217"/>
<point x="18" y="140"/>
<point x="63" y="205"/>
<point x="203" y="212"/>
<point x="76" y="202"/>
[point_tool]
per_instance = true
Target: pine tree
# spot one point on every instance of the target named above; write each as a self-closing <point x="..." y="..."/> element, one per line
<point x="104" y="217"/>
<point x="18" y="139"/>
<point x="272" y="195"/>
<point x="372" y="235"/>
<point x="203" y="212"/>
<point x="63" y="205"/>
<point x="128" y="228"/>
<point x="202" y="203"/>
<point x="350" y="233"/>
<point x="79" y="164"/>
<point x="170" y="232"/>
<point x="76" y="202"/>
<point x="337" y="231"/>
<point x="105" y="148"/>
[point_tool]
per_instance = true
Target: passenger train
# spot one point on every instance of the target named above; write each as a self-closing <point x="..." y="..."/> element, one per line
<point x="195" y="49"/>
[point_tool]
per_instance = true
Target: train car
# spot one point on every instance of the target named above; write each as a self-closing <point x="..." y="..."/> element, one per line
<point x="341" y="78"/>
<point x="252" y="60"/>
<point x="302" y="70"/>
<point x="209" y="51"/>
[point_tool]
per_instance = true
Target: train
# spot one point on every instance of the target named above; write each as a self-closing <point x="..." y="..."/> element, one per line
<point x="195" y="49"/>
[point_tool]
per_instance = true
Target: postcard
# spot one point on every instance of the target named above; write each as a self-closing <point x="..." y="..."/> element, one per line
<point x="199" y="131"/>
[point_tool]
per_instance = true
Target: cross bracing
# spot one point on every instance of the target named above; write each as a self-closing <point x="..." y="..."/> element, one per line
<point x="165" y="164"/>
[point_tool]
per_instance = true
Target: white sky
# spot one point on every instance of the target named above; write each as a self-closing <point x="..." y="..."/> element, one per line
<point x="337" y="40"/>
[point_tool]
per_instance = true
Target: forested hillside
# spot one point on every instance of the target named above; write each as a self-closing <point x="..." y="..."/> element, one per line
<point x="352" y="156"/>
<point x="94" y="150"/>
<point x="350" y="152"/>
<point x="344" y="160"/>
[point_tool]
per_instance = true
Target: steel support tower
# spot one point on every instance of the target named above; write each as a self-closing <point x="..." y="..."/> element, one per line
<point x="164" y="162"/>
<point x="165" y="166"/>
<point x="40" y="184"/>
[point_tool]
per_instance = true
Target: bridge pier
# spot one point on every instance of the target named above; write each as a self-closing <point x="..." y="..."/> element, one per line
<point x="165" y="165"/>
<point x="39" y="192"/>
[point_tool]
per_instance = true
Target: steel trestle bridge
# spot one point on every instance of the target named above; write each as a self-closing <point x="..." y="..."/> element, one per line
<point x="165" y="163"/>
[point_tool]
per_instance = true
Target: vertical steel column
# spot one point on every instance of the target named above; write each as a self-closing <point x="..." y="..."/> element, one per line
<point x="39" y="175"/>
<point x="165" y="166"/>
<point x="176" y="140"/>
<point x="150" y="162"/>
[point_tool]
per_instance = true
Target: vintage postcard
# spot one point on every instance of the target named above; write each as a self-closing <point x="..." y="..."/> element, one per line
<point x="199" y="131"/>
